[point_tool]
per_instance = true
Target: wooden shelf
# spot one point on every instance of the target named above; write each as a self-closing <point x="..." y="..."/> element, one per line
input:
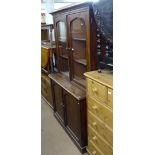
<point x="79" y="39"/>
<point x="62" y="39"/>
<point x="80" y="80"/>
<point x="64" y="56"/>
<point x="55" y="69"/>
<point x="81" y="61"/>
<point x="65" y="73"/>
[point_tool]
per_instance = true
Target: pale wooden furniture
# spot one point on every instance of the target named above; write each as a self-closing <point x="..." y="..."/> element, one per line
<point x="99" y="112"/>
<point x="47" y="52"/>
<point x="47" y="49"/>
<point x="46" y="91"/>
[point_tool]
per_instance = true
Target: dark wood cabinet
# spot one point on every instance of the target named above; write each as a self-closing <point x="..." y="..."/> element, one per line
<point x="75" y="34"/>
<point x="75" y="30"/>
<point x="70" y="108"/>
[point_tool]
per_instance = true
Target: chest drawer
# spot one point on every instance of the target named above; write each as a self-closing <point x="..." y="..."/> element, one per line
<point x="97" y="90"/>
<point x="93" y="149"/>
<point x="46" y="90"/>
<point x="110" y="97"/>
<point x="101" y="111"/>
<point x="100" y="128"/>
<point x="101" y="143"/>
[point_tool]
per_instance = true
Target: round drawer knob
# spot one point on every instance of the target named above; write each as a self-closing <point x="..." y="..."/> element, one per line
<point x="94" y="123"/>
<point x="94" y="107"/>
<point x="94" y="138"/>
<point x="109" y="93"/>
<point x="94" y="152"/>
<point x="94" y="90"/>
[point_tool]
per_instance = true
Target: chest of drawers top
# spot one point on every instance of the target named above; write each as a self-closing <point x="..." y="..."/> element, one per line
<point x="105" y="77"/>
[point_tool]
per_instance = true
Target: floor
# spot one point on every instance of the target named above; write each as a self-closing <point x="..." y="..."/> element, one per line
<point x="54" y="140"/>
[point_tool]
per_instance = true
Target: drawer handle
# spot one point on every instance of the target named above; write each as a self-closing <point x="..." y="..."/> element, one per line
<point x="94" y="152"/>
<point x="94" y="138"/>
<point x="94" y="107"/>
<point x="94" y="90"/>
<point x="109" y="92"/>
<point x="94" y="123"/>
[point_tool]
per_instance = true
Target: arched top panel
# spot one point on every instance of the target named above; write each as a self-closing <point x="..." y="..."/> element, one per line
<point x="78" y="27"/>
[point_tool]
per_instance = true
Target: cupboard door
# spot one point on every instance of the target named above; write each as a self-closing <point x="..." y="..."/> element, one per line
<point x="61" y="37"/>
<point x="58" y="102"/>
<point x="72" y="116"/>
<point x="78" y="24"/>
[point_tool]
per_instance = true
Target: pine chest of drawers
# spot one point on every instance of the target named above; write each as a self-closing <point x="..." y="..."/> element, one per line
<point x="99" y="112"/>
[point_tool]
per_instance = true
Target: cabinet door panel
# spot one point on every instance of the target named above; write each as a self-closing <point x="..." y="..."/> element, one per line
<point x="73" y="116"/>
<point x="59" y="106"/>
<point x="78" y="26"/>
<point x="62" y="44"/>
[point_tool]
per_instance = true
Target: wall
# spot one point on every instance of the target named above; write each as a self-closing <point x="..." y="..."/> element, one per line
<point x="48" y="6"/>
<point x="60" y="5"/>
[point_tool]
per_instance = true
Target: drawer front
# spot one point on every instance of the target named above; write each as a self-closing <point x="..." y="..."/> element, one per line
<point x="100" y="128"/>
<point x="104" y="113"/>
<point x="110" y="97"/>
<point x="100" y="143"/>
<point x="97" y="91"/>
<point x="46" y="89"/>
<point x="92" y="149"/>
<point x="49" y="92"/>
